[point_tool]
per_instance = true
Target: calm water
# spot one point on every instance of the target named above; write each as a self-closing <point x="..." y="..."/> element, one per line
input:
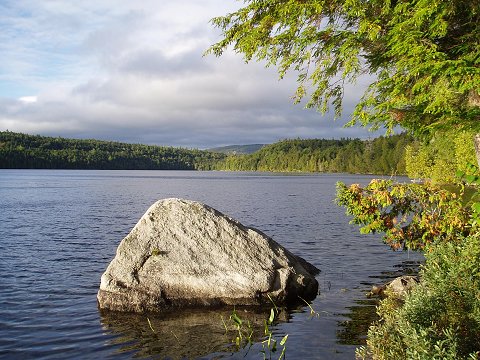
<point x="60" y="229"/>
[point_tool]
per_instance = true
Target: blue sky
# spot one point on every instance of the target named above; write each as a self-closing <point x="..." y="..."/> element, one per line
<point x="133" y="71"/>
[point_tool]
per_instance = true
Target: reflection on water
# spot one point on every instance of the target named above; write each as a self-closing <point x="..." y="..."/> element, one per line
<point x="188" y="333"/>
<point x="353" y="330"/>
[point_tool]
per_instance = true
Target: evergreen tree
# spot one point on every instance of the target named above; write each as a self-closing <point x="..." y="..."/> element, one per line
<point x="424" y="55"/>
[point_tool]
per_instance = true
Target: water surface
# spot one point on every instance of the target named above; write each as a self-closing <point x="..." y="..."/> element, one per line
<point x="60" y="229"/>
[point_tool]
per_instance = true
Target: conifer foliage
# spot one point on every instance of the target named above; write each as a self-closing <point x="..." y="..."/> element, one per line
<point x="423" y="56"/>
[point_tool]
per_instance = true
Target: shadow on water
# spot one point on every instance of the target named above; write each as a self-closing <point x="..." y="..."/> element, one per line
<point x="186" y="334"/>
<point x="353" y="330"/>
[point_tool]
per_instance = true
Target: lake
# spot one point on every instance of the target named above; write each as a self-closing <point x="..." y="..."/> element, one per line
<point x="60" y="229"/>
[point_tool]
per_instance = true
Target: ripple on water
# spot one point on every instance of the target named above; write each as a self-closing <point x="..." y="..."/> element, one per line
<point x="61" y="228"/>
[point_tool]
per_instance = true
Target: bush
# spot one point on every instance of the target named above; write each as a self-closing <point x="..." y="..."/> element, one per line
<point x="410" y="215"/>
<point x="440" y="317"/>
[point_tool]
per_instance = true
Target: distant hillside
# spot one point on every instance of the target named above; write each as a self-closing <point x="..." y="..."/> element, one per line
<point x="237" y="149"/>
<point x="383" y="155"/>
<point x="19" y="151"/>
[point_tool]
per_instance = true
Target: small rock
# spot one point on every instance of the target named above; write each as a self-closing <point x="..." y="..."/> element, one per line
<point x="397" y="288"/>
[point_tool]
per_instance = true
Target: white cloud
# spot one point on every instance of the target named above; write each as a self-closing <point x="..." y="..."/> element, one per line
<point x="28" y="99"/>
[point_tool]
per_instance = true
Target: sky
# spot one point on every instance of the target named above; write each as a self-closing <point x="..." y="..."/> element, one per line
<point x="134" y="71"/>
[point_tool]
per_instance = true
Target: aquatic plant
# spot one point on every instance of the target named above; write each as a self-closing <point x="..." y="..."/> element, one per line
<point x="244" y="334"/>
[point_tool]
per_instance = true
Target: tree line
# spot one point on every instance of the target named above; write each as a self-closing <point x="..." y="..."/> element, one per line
<point x="382" y="155"/>
<point x="39" y="152"/>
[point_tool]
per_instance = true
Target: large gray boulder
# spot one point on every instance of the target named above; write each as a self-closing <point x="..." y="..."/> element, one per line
<point x="184" y="253"/>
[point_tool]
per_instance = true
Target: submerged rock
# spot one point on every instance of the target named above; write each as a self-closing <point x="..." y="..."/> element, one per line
<point x="184" y="253"/>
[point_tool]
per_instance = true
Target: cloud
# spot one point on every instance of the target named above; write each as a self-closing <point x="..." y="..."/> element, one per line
<point x="134" y="71"/>
<point x="28" y="99"/>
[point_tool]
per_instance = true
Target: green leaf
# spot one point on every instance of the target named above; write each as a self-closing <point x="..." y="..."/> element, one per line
<point x="274" y="346"/>
<point x="471" y="178"/>
<point x="266" y="329"/>
<point x="236" y="318"/>
<point x="284" y="340"/>
<point x="476" y="207"/>
<point x="272" y="316"/>
<point x="425" y="55"/>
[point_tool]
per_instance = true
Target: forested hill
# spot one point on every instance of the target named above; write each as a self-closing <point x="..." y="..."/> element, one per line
<point x="383" y="155"/>
<point x="38" y="152"/>
<point x="238" y="149"/>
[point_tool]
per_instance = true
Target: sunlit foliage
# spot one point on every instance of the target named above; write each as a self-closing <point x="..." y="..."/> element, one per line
<point x="423" y="55"/>
<point x="382" y="155"/>
<point x="439" y="158"/>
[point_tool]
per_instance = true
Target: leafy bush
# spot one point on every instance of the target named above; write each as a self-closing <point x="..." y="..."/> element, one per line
<point x="411" y="215"/>
<point x="440" y="318"/>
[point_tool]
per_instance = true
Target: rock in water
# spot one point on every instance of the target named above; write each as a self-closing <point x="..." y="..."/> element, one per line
<point x="184" y="253"/>
<point x="401" y="285"/>
<point x="397" y="288"/>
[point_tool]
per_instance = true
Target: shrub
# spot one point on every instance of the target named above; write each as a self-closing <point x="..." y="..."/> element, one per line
<point x="440" y="317"/>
